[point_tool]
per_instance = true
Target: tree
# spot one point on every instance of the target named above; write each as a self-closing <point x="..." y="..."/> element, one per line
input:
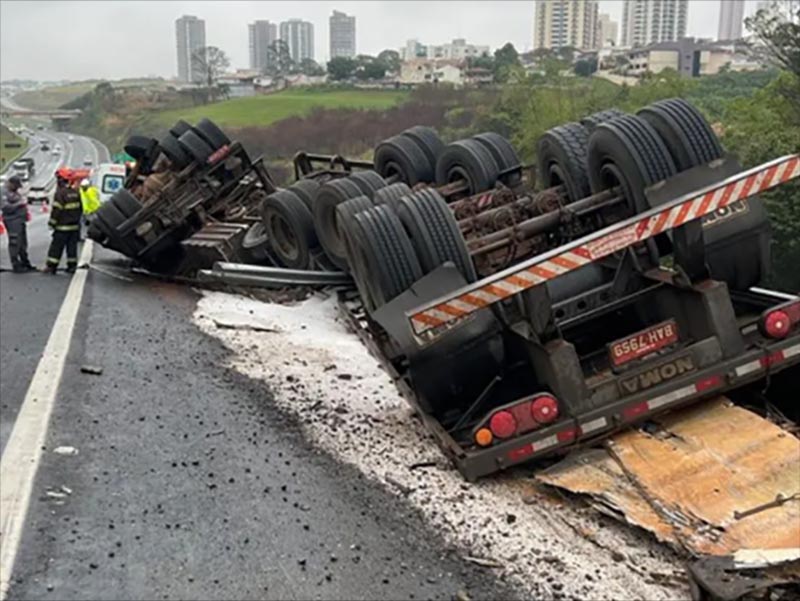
<point x="208" y="64"/>
<point x="341" y="68"/>
<point x="279" y="59"/>
<point x="310" y="67"/>
<point x="505" y="59"/>
<point x="372" y="70"/>
<point x="778" y="31"/>
<point x="390" y="58"/>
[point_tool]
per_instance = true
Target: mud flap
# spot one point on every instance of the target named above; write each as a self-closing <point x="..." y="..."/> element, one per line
<point x="451" y="371"/>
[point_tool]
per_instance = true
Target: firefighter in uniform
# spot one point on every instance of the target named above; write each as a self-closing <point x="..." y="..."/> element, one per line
<point x="65" y="220"/>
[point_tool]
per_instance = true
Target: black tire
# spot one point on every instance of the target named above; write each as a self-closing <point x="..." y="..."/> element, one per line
<point x="180" y="128"/>
<point x="126" y="202"/>
<point x="108" y="218"/>
<point x="561" y="160"/>
<point x="212" y="134"/>
<point x="391" y="194"/>
<point x="504" y="154"/>
<point x="402" y="158"/>
<point x="434" y="232"/>
<point x="179" y="158"/>
<point x="290" y="229"/>
<point x="467" y="160"/>
<point x="628" y="152"/>
<point x="140" y="147"/>
<point x="195" y="146"/>
<point x="328" y="197"/>
<point x="306" y="189"/>
<point x="428" y="141"/>
<point x="687" y="135"/>
<point x="596" y="119"/>
<point x="386" y="263"/>
<point x="368" y="182"/>
<point x="345" y="212"/>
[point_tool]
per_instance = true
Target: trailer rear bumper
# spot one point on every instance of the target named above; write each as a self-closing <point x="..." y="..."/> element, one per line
<point x="712" y="380"/>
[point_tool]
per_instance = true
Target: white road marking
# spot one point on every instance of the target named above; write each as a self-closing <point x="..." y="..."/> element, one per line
<point x="23" y="450"/>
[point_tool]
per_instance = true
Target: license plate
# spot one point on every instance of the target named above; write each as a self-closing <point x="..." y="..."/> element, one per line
<point x="643" y="343"/>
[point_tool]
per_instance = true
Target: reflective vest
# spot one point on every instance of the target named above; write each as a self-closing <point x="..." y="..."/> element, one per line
<point x="90" y="200"/>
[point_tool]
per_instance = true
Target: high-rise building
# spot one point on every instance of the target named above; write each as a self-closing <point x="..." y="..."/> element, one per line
<point x="190" y="36"/>
<point x="731" y="19"/>
<point x="299" y="37"/>
<point x="651" y="21"/>
<point x="609" y="31"/>
<point x="262" y="35"/>
<point x="561" y="23"/>
<point x="342" y="35"/>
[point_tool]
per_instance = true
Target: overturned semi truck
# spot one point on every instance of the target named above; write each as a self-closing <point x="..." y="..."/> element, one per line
<point x="521" y="309"/>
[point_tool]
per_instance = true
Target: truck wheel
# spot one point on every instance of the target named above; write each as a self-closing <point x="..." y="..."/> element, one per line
<point x="561" y="160"/>
<point x="140" y="147"/>
<point x="109" y="218"/>
<point x="504" y="154"/>
<point x="212" y="134"/>
<point x="368" y="182"/>
<point x="470" y="161"/>
<point x="126" y="202"/>
<point x="345" y="212"/>
<point x="180" y="128"/>
<point x="391" y="194"/>
<point x="306" y="189"/>
<point x="290" y="229"/>
<point x="428" y="141"/>
<point x="197" y="148"/>
<point x="627" y="152"/>
<point x="386" y="260"/>
<point x="434" y="232"/>
<point x="179" y="158"/>
<point x="596" y="119"/>
<point x="687" y="135"/>
<point x="401" y="158"/>
<point x="328" y="197"/>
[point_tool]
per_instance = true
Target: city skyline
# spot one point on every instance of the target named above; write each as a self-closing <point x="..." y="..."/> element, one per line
<point x="490" y="24"/>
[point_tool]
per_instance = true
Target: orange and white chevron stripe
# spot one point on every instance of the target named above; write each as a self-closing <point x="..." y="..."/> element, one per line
<point x="639" y="228"/>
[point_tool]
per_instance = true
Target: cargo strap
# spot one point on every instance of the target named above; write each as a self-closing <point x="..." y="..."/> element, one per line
<point x="550" y="265"/>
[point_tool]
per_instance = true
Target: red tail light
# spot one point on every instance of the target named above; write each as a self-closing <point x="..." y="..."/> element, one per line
<point x="502" y="424"/>
<point x="777" y="322"/>
<point x="544" y="409"/>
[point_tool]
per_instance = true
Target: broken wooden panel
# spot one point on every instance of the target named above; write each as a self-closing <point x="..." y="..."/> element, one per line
<point x="696" y="473"/>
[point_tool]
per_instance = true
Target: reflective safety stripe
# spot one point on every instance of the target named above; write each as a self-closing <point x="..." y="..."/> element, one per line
<point x="67" y="228"/>
<point x="52" y="261"/>
<point x="72" y="205"/>
<point x="72" y="260"/>
<point x="57" y="205"/>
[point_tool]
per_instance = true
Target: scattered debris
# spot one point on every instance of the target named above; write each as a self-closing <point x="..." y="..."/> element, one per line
<point x="422" y="464"/>
<point x="91" y="369"/>
<point x="65" y="451"/>
<point x="484" y="563"/>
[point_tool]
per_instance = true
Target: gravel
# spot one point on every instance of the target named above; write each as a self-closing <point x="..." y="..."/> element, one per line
<point x="321" y="373"/>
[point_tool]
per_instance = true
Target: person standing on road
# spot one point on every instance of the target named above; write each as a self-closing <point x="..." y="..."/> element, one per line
<point x="15" y="216"/>
<point x="65" y="220"/>
<point x="90" y="202"/>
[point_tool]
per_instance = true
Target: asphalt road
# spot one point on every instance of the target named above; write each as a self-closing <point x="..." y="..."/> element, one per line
<point x="29" y="302"/>
<point x="189" y="483"/>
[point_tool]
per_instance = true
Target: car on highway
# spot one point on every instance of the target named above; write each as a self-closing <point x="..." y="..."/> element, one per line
<point x="38" y="193"/>
<point x="56" y="150"/>
<point x="71" y="138"/>
<point x="87" y="161"/>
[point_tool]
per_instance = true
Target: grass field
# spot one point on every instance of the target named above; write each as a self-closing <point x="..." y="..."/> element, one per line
<point x="51" y="98"/>
<point x="266" y="109"/>
<point x="7" y="155"/>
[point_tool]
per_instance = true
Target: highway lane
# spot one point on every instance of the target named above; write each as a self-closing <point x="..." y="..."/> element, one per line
<point x="29" y="302"/>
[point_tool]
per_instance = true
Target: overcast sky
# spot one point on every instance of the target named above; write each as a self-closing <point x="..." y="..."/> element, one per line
<point x="115" y="39"/>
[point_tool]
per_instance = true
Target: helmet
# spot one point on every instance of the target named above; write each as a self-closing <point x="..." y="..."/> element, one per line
<point x="84" y="183"/>
<point x="15" y="182"/>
